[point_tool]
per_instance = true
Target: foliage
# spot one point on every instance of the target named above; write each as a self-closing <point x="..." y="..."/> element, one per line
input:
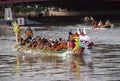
<point x="27" y="10"/>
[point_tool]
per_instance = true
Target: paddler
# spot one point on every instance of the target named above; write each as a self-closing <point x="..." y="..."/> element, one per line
<point x="107" y="24"/>
<point x="94" y="24"/>
<point x="71" y="41"/>
<point x="100" y="24"/>
<point x="28" y="33"/>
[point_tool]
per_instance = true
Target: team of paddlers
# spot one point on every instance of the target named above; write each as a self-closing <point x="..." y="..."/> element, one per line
<point x="101" y="25"/>
<point x="73" y="42"/>
<point x="76" y="42"/>
<point x="96" y="24"/>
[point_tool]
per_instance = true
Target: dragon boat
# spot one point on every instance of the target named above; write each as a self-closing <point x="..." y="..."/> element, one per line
<point x="37" y="44"/>
<point x="61" y="53"/>
<point x="39" y="52"/>
<point x="100" y="25"/>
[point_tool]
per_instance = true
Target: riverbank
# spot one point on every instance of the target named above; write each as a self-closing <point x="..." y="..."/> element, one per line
<point x="22" y="27"/>
<point x="40" y="22"/>
<point x="71" y="20"/>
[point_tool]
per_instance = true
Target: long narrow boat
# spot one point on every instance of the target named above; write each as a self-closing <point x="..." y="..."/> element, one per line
<point x="100" y="25"/>
<point x="24" y="49"/>
<point x="63" y="52"/>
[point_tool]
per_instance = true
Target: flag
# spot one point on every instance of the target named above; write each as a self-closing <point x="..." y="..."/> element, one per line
<point x="16" y="27"/>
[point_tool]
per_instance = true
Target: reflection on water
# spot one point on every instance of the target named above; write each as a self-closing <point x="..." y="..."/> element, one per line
<point x="36" y="66"/>
<point x="103" y="64"/>
<point x="24" y="66"/>
<point x="53" y="65"/>
<point x="75" y="66"/>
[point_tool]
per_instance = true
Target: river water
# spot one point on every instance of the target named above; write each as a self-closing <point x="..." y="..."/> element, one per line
<point x="103" y="64"/>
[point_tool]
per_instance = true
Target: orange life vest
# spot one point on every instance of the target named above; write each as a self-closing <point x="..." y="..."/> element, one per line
<point x="71" y="37"/>
<point x="28" y="33"/>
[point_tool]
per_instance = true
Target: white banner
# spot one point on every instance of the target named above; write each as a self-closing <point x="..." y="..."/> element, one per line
<point x="21" y="21"/>
<point x="8" y="14"/>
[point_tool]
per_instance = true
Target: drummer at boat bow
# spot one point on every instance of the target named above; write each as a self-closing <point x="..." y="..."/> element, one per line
<point x="28" y="33"/>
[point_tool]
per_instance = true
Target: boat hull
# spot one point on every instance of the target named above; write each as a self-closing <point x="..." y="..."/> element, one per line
<point x="61" y="53"/>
